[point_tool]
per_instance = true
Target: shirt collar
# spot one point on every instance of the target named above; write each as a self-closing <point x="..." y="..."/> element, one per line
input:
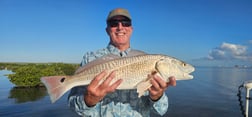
<point x="112" y="49"/>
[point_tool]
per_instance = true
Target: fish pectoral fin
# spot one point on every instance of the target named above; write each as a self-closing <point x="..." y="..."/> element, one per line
<point x="142" y="87"/>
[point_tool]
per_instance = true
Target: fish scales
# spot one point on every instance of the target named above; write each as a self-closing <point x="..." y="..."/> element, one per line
<point x="135" y="73"/>
<point x="122" y="67"/>
<point x="131" y="70"/>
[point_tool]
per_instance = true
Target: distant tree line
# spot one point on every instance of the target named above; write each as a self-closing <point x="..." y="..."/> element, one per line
<point x="29" y="74"/>
<point x="11" y="66"/>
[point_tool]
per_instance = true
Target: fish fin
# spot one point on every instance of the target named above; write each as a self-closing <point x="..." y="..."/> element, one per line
<point x="145" y="85"/>
<point x="142" y="87"/>
<point x="56" y="86"/>
<point x="107" y="58"/>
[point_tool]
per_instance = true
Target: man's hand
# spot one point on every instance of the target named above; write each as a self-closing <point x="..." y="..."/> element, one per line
<point x="96" y="92"/>
<point x="159" y="86"/>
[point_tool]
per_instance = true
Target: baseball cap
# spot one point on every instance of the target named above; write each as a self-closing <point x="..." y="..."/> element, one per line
<point x="118" y="11"/>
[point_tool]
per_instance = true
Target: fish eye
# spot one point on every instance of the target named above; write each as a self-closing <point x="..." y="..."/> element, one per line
<point x="183" y="64"/>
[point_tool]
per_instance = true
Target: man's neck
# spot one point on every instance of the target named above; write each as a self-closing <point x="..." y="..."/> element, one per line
<point x="122" y="47"/>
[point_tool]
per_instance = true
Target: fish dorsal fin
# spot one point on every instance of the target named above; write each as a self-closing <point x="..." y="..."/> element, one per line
<point x="98" y="61"/>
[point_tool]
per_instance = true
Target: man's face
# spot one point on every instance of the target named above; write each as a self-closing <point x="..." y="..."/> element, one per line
<point x="119" y="29"/>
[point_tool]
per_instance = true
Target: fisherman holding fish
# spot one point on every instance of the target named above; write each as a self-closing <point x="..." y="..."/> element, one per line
<point x="101" y="98"/>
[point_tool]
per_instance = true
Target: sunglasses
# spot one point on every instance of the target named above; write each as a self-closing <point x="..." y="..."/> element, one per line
<point x="115" y="23"/>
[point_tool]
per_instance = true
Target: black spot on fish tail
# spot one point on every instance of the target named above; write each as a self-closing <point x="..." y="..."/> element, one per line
<point x="62" y="80"/>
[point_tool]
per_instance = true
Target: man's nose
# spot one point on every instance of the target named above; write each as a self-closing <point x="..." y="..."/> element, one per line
<point x="120" y="26"/>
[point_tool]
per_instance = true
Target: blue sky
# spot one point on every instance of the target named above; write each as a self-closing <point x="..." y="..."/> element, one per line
<point x="201" y="32"/>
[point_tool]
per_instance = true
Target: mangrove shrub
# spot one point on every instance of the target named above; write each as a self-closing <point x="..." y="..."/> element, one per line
<point x="29" y="75"/>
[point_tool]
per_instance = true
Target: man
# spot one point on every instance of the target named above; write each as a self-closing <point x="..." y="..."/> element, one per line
<point x="102" y="99"/>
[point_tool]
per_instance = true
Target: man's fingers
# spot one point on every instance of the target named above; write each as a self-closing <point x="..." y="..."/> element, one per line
<point x="97" y="79"/>
<point x="172" y="81"/>
<point x="115" y="85"/>
<point x="154" y="84"/>
<point x="162" y="84"/>
<point x="108" y="80"/>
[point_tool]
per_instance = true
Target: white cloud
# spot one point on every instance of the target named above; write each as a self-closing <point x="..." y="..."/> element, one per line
<point x="216" y="54"/>
<point x="235" y="50"/>
<point x="228" y="51"/>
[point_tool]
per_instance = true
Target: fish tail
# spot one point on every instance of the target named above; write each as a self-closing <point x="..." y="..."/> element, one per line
<point x="56" y="86"/>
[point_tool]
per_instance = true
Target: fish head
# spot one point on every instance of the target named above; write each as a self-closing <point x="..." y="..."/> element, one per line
<point x="168" y="66"/>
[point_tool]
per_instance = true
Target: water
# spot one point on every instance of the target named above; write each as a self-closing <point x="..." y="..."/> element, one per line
<point x="212" y="93"/>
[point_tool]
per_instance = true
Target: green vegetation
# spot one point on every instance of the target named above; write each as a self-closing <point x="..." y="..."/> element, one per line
<point x="29" y="74"/>
<point x="11" y="66"/>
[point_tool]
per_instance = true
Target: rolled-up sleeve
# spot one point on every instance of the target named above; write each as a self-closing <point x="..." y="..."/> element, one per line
<point x="77" y="103"/>
<point x="161" y="106"/>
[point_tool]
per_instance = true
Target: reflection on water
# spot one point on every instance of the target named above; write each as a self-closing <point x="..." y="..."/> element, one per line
<point x="27" y="94"/>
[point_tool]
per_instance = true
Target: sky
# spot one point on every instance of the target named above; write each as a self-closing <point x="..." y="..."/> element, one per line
<point x="200" y="32"/>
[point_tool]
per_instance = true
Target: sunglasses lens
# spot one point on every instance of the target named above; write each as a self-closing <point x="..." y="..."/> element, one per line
<point x="126" y="23"/>
<point x="115" y="23"/>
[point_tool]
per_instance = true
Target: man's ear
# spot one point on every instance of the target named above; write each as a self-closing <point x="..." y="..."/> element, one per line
<point x="107" y="30"/>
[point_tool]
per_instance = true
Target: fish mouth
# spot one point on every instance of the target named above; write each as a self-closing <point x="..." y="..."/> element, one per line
<point x="188" y="76"/>
<point x="184" y="76"/>
<point x="187" y="73"/>
<point x="190" y="70"/>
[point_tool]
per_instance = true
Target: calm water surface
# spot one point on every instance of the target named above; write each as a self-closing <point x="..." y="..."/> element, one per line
<point x="212" y="93"/>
